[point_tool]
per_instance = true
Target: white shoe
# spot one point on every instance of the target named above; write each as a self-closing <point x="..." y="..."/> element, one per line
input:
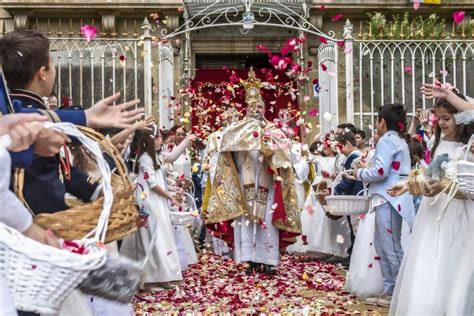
<point x="372" y="300"/>
<point x="384" y="300"/>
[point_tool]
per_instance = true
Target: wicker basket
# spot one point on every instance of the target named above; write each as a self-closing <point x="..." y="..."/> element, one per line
<point x="185" y="218"/>
<point x="347" y="204"/>
<point x="78" y="221"/>
<point x="322" y="190"/>
<point x="465" y="172"/>
<point x="39" y="277"/>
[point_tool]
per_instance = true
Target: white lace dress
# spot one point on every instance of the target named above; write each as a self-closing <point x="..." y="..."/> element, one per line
<point x="364" y="278"/>
<point x="325" y="235"/>
<point x="441" y="240"/>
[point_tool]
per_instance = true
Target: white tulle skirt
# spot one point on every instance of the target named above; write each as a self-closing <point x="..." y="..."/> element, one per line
<point x="436" y="269"/>
<point x="307" y="223"/>
<point x="364" y="278"/>
<point x="461" y="301"/>
<point x="326" y="235"/>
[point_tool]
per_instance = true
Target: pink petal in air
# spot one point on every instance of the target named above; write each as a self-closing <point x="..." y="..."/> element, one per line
<point x="458" y="16"/>
<point x="337" y="17"/>
<point x="89" y="32"/>
<point x="416" y="5"/>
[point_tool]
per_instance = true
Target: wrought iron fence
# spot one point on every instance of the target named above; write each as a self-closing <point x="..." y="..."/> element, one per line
<point x="392" y="71"/>
<point x="109" y="63"/>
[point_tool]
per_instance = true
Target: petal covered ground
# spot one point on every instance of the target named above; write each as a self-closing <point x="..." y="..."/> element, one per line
<point x="218" y="285"/>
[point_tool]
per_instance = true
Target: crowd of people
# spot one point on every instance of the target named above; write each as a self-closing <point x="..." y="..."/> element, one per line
<point x="251" y="190"/>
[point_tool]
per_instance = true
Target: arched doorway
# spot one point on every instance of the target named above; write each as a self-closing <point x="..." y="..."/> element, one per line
<point x="249" y="16"/>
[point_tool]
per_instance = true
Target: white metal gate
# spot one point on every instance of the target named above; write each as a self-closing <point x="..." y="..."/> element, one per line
<point x="392" y="71"/>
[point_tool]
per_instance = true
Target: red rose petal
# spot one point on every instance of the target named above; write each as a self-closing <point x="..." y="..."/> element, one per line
<point x="381" y="171"/>
<point x="389" y="231"/>
<point x="396" y="165"/>
<point x="337" y="17"/>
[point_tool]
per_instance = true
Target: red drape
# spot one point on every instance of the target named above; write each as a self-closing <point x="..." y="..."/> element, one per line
<point x="213" y="94"/>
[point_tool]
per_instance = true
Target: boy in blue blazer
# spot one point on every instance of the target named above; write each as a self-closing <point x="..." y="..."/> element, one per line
<point x="391" y="164"/>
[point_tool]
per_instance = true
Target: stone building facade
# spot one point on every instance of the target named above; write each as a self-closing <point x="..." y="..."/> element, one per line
<point x="209" y="47"/>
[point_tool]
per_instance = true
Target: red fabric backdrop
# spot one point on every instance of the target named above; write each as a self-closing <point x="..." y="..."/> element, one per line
<point x="215" y="97"/>
<point x="213" y="85"/>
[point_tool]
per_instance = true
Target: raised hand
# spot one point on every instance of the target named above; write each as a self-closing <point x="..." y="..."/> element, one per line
<point x="104" y="114"/>
<point x="146" y="124"/>
<point x="436" y="91"/>
<point x="190" y="137"/>
<point x="424" y="117"/>
<point x="7" y="122"/>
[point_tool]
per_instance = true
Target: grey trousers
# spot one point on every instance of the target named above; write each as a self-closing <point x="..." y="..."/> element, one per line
<point x="387" y="242"/>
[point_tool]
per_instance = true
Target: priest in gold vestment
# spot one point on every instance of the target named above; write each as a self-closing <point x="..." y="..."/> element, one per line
<point x="251" y="200"/>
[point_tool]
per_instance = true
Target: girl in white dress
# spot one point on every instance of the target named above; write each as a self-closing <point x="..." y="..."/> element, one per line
<point x="152" y="194"/>
<point x="326" y="236"/>
<point x="364" y="278"/>
<point x="302" y="170"/>
<point x="440" y="238"/>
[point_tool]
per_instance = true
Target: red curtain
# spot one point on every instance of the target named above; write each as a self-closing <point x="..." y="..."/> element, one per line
<point x="217" y="89"/>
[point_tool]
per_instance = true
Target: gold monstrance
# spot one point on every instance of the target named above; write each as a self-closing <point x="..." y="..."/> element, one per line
<point x="252" y="88"/>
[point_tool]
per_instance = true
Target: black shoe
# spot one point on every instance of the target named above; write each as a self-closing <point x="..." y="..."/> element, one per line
<point x="252" y="268"/>
<point x="269" y="269"/>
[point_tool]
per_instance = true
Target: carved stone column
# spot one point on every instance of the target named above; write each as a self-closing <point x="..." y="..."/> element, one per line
<point x="166" y="84"/>
<point x="108" y="23"/>
<point x="21" y="22"/>
<point x="172" y="22"/>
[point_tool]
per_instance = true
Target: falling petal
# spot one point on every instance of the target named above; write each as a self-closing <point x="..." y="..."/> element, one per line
<point x="337" y="17"/>
<point x="416" y="4"/>
<point x="89" y="32"/>
<point x="313" y="112"/>
<point x="327" y="117"/>
<point x="458" y="16"/>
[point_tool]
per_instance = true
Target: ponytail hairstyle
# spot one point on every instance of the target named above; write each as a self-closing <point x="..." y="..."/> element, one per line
<point x="395" y="117"/>
<point x="144" y="141"/>
<point x="462" y="131"/>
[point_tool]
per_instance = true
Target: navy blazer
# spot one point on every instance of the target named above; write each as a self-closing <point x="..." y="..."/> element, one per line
<point x="346" y="186"/>
<point x="43" y="189"/>
<point x="28" y="102"/>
